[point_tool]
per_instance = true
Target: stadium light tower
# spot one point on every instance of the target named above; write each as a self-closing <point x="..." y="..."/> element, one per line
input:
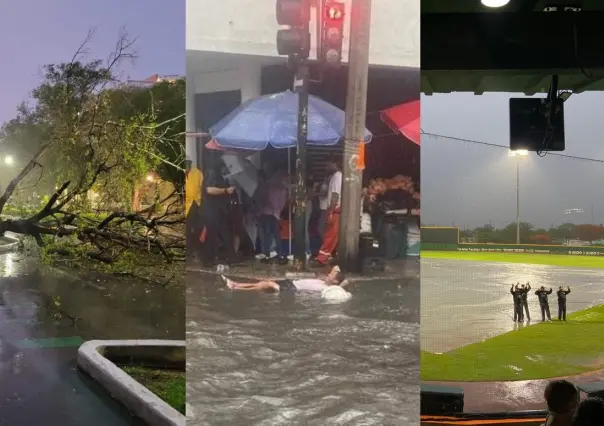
<point x="519" y="154"/>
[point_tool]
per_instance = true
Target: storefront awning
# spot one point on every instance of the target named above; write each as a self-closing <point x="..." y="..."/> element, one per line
<point x="404" y="119"/>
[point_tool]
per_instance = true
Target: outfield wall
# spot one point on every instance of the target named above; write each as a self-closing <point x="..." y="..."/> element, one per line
<point x="513" y="248"/>
<point x="440" y="235"/>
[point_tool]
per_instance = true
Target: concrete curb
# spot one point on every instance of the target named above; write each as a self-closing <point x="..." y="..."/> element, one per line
<point x="10" y="245"/>
<point x="134" y="396"/>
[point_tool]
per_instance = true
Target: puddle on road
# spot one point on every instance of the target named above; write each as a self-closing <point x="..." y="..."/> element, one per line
<point x="45" y="314"/>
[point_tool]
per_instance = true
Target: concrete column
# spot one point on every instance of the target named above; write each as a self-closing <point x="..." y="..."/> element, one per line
<point x="191" y="142"/>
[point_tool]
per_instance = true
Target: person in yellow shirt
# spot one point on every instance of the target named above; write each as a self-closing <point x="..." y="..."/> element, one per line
<point x="193" y="197"/>
<point x="193" y="184"/>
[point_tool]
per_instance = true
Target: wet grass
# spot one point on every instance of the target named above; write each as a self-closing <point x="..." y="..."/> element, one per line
<point x="574" y="261"/>
<point x="540" y="351"/>
<point x="169" y="385"/>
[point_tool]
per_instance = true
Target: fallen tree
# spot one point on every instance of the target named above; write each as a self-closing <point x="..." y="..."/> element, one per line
<point x="84" y="147"/>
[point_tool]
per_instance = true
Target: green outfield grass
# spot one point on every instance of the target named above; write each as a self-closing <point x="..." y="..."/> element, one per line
<point x="596" y="262"/>
<point x="538" y="351"/>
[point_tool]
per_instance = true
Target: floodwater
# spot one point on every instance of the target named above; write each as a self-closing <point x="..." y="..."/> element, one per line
<point x="45" y="314"/>
<point x="262" y="359"/>
<point x="464" y="301"/>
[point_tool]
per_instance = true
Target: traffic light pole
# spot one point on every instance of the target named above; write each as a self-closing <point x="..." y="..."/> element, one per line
<point x="302" y="77"/>
<point x="356" y="109"/>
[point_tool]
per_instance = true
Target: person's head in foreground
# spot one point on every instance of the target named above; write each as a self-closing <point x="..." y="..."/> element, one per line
<point x="589" y="413"/>
<point x="542" y="287"/>
<point x="335" y="276"/>
<point x="562" y="398"/>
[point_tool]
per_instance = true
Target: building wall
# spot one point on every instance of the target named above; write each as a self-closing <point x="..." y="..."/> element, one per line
<point x="230" y="41"/>
<point x="238" y="73"/>
<point x="249" y="27"/>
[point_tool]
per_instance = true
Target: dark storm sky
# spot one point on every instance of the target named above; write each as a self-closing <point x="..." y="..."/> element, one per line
<point x="471" y="185"/>
<point x="38" y="32"/>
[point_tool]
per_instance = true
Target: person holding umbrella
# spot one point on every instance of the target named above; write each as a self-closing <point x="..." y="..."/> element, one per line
<point x="562" y="302"/>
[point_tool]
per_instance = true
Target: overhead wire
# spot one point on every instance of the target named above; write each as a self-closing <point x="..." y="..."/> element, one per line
<point x="494" y="145"/>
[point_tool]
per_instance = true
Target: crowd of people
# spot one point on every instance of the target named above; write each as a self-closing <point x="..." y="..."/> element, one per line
<point x="565" y="407"/>
<point x="226" y="224"/>
<point x="520" y="294"/>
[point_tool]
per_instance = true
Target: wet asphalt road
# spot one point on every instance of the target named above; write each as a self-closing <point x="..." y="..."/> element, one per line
<point x="464" y="301"/>
<point x="259" y="359"/>
<point x="39" y="337"/>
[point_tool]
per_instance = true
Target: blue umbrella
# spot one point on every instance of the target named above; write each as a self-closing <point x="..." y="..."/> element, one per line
<point x="273" y="119"/>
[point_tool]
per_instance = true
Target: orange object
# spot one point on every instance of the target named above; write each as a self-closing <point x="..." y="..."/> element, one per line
<point x="203" y="235"/>
<point x="284" y="229"/>
<point x="361" y="157"/>
<point x="330" y="239"/>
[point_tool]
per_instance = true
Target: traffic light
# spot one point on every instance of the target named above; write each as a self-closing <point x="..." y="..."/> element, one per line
<point x="295" y="40"/>
<point x="333" y="32"/>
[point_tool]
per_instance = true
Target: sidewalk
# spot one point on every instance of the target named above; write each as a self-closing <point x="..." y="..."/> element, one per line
<point x="398" y="269"/>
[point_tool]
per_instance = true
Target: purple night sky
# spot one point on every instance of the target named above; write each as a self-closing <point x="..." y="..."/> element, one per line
<point x="34" y="33"/>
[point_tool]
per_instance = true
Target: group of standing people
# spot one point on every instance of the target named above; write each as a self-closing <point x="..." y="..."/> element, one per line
<point x="520" y="297"/>
<point x="227" y="219"/>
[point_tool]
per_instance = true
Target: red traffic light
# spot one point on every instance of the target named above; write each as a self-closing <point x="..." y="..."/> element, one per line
<point x="334" y="11"/>
<point x="332" y="33"/>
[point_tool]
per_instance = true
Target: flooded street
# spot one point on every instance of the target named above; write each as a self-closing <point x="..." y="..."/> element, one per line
<point x="261" y="359"/>
<point x="45" y="314"/>
<point x="464" y="301"/>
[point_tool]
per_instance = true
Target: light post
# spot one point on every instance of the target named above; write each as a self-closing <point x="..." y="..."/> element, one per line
<point x="519" y="154"/>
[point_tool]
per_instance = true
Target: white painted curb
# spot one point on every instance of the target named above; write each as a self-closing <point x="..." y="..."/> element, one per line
<point x="134" y="396"/>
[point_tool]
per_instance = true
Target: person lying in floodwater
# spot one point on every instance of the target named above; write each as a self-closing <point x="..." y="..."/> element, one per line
<point x="335" y="277"/>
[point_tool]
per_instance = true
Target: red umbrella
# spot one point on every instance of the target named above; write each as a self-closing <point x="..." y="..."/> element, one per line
<point x="404" y="119"/>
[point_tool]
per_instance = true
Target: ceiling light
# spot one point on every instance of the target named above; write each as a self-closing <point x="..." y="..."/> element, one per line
<point x="494" y="3"/>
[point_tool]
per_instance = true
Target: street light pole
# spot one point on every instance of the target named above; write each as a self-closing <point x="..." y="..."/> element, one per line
<point x="517" y="202"/>
<point x="518" y="154"/>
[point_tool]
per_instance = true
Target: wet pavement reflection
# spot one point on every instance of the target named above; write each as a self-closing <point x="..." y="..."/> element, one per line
<point x="259" y="359"/>
<point x="464" y="301"/>
<point x="45" y="314"/>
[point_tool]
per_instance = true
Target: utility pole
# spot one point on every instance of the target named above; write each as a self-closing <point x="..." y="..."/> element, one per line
<point x="356" y="109"/>
<point x="300" y="188"/>
<point x="295" y="43"/>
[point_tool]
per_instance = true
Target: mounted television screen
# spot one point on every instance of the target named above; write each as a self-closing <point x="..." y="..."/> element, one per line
<point x="528" y="125"/>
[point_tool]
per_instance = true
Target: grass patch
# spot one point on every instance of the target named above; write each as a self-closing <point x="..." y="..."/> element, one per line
<point x="169" y="385"/>
<point x="575" y="261"/>
<point x="539" y="351"/>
